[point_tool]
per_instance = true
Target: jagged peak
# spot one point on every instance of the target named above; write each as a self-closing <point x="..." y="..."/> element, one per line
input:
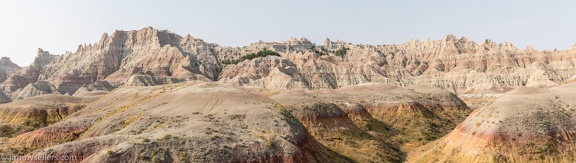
<point x="5" y="60"/>
<point x="80" y="48"/>
<point x="290" y="40"/>
<point x="145" y="29"/>
<point x="327" y="41"/>
<point x="463" y="39"/>
<point x="105" y="35"/>
<point x="294" y="40"/>
<point x="188" y="38"/>
<point x="450" y="37"/>
<point x="506" y="44"/>
<point x="489" y="42"/>
<point x="330" y="42"/>
<point x="148" y="28"/>
<point x="152" y="29"/>
<point x="529" y="48"/>
<point x="413" y="41"/>
<point x="340" y="41"/>
<point x="42" y="52"/>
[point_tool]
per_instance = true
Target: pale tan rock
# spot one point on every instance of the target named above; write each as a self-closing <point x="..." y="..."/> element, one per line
<point x="35" y="89"/>
<point x="7" y="68"/>
<point x="151" y="80"/>
<point x="455" y="64"/>
<point x="4" y="98"/>
<point x="29" y="74"/>
<point x="98" y="86"/>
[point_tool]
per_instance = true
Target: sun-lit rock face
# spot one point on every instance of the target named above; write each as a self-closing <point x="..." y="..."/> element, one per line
<point x="527" y="124"/>
<point x="456" y="64"/>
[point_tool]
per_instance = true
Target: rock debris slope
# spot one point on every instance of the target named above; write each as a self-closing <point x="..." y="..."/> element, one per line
<point x="160" y="57"/>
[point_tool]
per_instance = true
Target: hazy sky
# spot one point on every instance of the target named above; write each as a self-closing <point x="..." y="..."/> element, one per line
<point x="59" y="26"/>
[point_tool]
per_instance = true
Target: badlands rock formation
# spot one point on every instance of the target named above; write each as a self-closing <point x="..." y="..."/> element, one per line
<point x="7" y="68"/>
<point x="525" y="125"/>
<point x="153" y="96"/>
<point x="32" y="113"/>
<point x="455" y="64"/>
<point x="374" y="121"/>
<point x="99" y="86"/>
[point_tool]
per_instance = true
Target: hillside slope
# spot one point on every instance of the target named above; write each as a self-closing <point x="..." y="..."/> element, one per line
<point x="525" y="125"/>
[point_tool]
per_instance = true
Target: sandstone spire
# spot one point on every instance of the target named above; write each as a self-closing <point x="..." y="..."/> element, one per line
<point x="327" y="42"/>
<point x="450" y="37"/>
<point x="489" y="44"/>
<point x="42" y="52"/>
<point x="188" y="38"/>
<point x="5" y="60"/>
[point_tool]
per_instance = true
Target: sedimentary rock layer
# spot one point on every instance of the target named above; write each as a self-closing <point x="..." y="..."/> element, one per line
<point x="456" y="64"/>
<point x="527" y="124"/>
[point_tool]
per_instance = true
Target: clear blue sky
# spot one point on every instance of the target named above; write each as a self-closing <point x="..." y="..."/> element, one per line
<point x="59" y="25"/>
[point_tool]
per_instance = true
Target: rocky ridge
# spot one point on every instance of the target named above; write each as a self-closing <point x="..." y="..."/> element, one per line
<point x="456" y="64"/>
<point x="7" y="68"/>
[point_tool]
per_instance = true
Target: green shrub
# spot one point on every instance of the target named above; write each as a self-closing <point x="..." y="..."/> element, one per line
<point x="182" y="156"/>
<point x="429" y="136"/>
<point x="143" y="157"/>
<point x="342" y="51"/>
<point x="6" y="131"/>
<point x="270" y="143"/>
<point x="262" y="53"/>
<point x="320" y="53"/>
